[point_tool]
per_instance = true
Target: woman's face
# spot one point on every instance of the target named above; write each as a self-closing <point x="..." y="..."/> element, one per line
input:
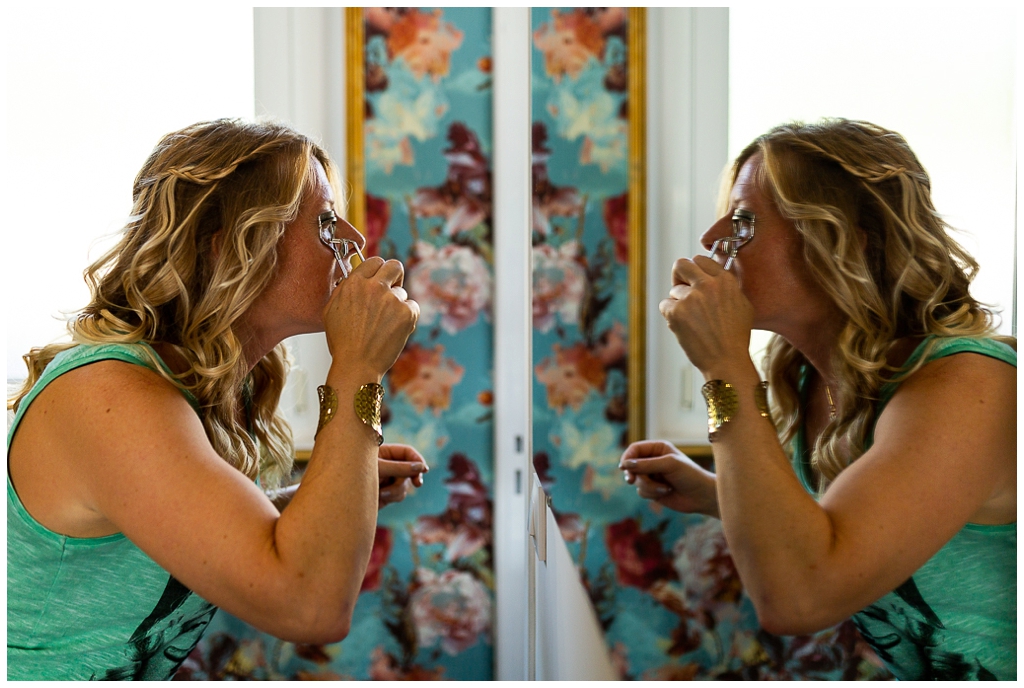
<point x="770" y="267"/>
<point x="306" y="269"/>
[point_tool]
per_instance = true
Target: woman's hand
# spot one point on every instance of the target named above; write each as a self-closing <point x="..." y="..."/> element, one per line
<point x="665" y="475"/>
<point x="370" y="316"/>
<point x="708" y="314"/>
<point x="401" y="469"/>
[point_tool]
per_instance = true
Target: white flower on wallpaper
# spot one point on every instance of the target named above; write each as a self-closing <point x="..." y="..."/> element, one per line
<point x="452" y="284"/>
<point x="452" y="608"/>
<point x="592" y="447"/>
<point x="706" y="571"/>
<point x="559" y="284"/>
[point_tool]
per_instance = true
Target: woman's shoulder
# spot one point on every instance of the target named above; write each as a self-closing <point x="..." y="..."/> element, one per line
<point x="112" y="364"/>
<point x="943" y="358"/>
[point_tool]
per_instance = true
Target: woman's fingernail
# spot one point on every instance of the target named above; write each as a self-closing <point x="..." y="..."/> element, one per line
<point x="628" y="463"/>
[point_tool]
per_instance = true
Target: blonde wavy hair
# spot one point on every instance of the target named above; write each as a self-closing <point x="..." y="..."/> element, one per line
<point x="209" y="207"/>
<point x="839" y="182"/>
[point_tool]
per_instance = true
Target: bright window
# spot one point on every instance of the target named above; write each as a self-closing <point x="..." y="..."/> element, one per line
<point x="90" y="90"/>
<point x="943" y="76"/>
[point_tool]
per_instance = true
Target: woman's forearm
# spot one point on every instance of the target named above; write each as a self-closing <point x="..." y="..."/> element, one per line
<point x="326" y="534"/>
<point x="779" y="537"/>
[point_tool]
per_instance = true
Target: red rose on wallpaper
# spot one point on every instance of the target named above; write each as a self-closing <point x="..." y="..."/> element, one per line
<point x="378" y="215"/>
<point x="616" y="219"/>
<point x="639" y="559"/>
<point x="465" y="525"/>
<point x="382" y="544"/>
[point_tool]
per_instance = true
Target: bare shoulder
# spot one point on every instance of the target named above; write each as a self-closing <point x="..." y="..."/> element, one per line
<point x="960" y="380"/>
<point x="83" y="429"/>
<point x="958" y="416"/>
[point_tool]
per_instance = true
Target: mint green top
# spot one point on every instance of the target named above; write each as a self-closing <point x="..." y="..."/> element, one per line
<point x="91" y="608"/>
<point x="956" y="617"/>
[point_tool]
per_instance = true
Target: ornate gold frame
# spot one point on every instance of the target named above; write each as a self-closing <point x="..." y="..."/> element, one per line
<point x="354" y="149"/>
<point x="636" y="368"/>
<point x="637" y="284"/>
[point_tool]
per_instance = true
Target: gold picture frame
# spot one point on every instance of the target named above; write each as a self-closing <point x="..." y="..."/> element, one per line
<point x="354" y="111"/>
<point x="636" y="365"/>
<point x="637" y="282"/>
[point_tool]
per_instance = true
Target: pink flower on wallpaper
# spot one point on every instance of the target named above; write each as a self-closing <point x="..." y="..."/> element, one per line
<point x="378" y="215"/>
<point x="464" y="527"/>
<point x="382" y="544"/>
<point x="424" y="42"/>
<point x="568" y="43"/>
<point x="639" y="559"/>
<point x="559" y="284"/>
<point x="426" y="377"/>
<point x="452" y="283"/>
<point x="452" y="608"/>
<point x="706" y="570"/>
<point x="616" y="219"/>
<point x="570" y="376"/>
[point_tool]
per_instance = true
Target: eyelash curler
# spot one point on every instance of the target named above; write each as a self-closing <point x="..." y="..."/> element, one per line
<point x="349" y="258"/>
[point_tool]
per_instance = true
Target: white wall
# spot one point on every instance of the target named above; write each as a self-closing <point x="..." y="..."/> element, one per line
<point x="300" y="78"/>
<point x="89" y="91"/>
<point x="687" y="120"/>
<point x="943" y="77"/>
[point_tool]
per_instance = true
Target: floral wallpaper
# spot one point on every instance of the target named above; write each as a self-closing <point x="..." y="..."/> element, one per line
<point x="426" y="607"/>
<point x="663" y="585"/>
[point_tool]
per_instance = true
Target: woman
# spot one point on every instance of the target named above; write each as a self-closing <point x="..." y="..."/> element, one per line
<point x="140" y="452"/>
<point x="891" y="393"/>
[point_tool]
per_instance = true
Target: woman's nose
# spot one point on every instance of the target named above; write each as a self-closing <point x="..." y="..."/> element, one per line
<point x="721" y="229"/>
<point x="347" y="231"/>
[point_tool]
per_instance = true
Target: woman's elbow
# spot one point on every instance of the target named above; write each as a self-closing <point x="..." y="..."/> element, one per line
<point x="790" y="617"/>
<point x="317" y="625"/>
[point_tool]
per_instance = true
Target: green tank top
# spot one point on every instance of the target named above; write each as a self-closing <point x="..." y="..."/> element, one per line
<point x="956" y="617"/>
<point x="91" y="608"/>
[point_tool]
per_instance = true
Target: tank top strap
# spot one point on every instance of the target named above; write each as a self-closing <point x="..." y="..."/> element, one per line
<point x="139" y="353"/>
<point x="934" y="347"/>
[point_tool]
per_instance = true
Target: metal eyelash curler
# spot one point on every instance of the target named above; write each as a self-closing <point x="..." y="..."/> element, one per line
<point x="348" y="259"/>
<point x="742" y="231"/>
<point x="349" y="256"/>
<point x="729" y="246"/>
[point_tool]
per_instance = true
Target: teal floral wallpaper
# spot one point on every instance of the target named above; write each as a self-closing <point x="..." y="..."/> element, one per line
<point x="426" y="607"/>
<point x="663" y="584"/>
